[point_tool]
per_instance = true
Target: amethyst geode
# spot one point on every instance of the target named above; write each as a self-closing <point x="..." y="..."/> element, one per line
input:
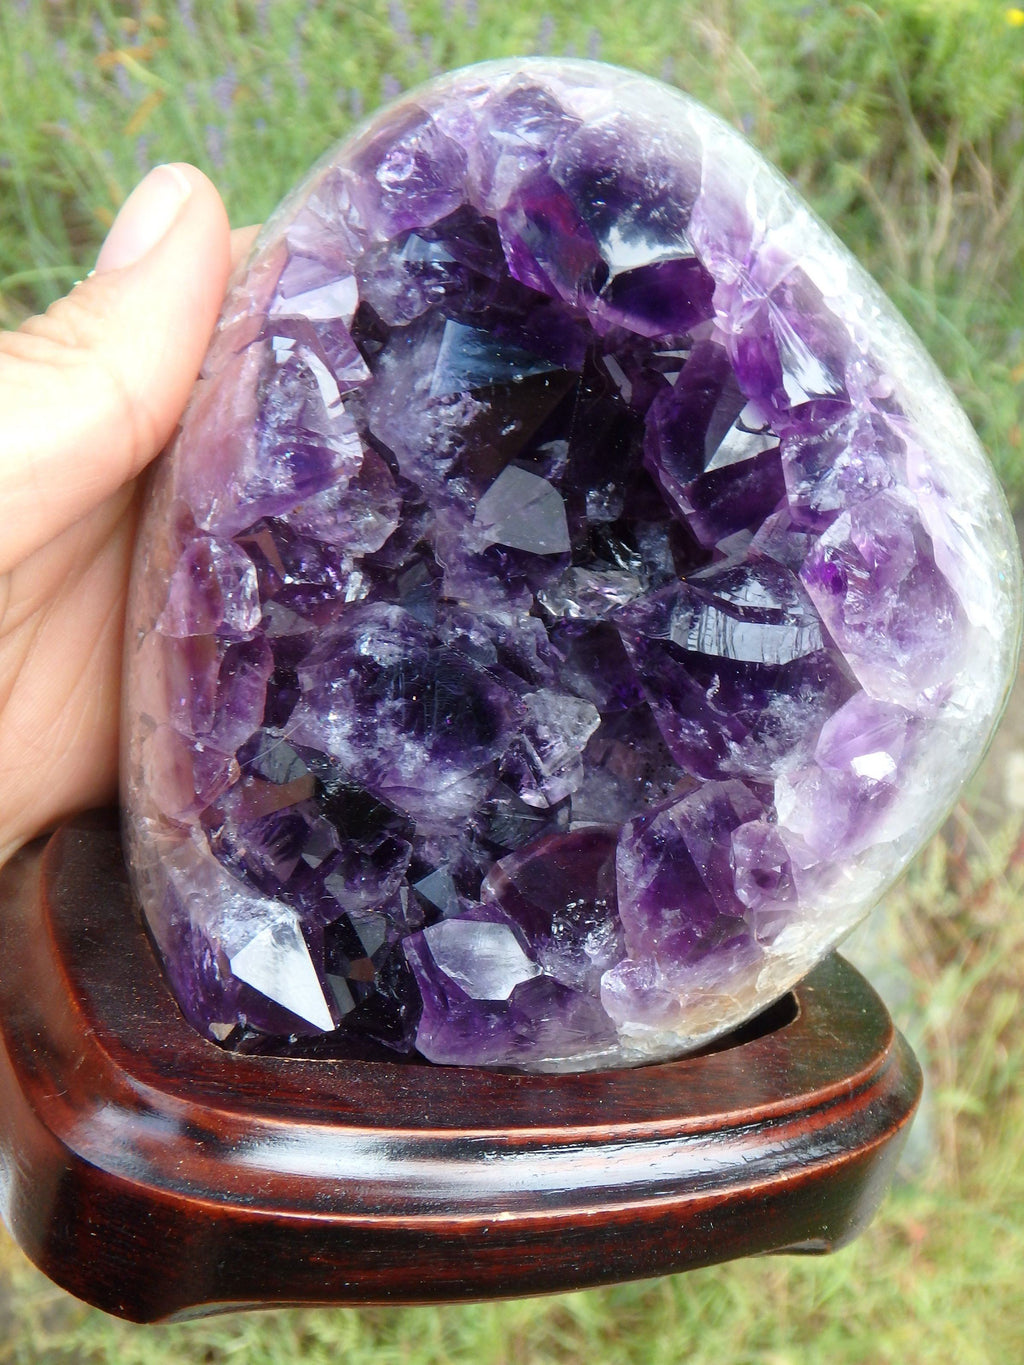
<point x="571" y="600"/>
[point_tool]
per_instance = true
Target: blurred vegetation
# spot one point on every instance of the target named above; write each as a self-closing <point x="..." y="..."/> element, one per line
<point x="903" y="124"/>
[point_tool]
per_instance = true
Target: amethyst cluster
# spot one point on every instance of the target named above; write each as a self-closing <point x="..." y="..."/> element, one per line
<point x="571" y="599"/>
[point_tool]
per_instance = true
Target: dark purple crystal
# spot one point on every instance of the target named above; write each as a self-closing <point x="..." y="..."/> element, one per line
<point x="549" y="597"/>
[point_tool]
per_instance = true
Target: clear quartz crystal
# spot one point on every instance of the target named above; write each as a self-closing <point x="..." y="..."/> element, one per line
<point x="571" y="600"/>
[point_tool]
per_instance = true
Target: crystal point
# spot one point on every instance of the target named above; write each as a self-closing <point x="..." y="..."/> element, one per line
<point x="277" y="963"/>
<point x="525" y="512"/>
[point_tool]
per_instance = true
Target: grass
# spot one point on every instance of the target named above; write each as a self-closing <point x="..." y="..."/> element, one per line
<point x="903" y="124"/>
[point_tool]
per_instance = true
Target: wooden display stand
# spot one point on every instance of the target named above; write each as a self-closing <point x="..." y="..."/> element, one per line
<point x="155" y="1175"/>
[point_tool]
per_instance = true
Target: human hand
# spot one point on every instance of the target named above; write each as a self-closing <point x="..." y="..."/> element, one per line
<point x="89" y="394"/>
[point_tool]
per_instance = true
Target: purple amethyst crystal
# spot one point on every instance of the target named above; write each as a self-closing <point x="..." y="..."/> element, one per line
<point x="570" y="601"/>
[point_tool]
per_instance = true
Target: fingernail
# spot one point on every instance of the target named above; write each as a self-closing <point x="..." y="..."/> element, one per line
<point x="145" y="217"/>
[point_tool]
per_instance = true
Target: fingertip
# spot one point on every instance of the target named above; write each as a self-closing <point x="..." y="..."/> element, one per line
<point x="168" y="196"/>
<point x="145" y="218"/>
<point x="202" y="191"/>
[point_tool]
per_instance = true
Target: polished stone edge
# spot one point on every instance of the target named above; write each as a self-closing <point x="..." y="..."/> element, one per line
<point x="156" y="1176"/>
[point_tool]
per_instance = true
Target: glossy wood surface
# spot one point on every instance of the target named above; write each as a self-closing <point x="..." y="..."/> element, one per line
<point x="154" y="1175"/>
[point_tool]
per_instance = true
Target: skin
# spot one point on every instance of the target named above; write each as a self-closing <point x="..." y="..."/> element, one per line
<point x="90" y="392"/>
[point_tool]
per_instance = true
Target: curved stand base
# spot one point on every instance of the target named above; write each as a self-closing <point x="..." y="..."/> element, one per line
<point x="154" y="1175"/>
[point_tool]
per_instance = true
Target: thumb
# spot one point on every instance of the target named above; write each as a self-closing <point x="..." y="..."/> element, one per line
<point x="92" y="390"/>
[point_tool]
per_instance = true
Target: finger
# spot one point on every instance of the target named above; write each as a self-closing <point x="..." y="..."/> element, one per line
<point x="92" y="390"/>
<point x="60" y="658"/>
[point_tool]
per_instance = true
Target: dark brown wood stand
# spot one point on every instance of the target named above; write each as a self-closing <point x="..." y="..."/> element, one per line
<point x="154" y="1175"/>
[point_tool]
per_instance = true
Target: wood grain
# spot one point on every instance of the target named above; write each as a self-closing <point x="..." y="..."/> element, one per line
<point x="154" y="1175"/>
